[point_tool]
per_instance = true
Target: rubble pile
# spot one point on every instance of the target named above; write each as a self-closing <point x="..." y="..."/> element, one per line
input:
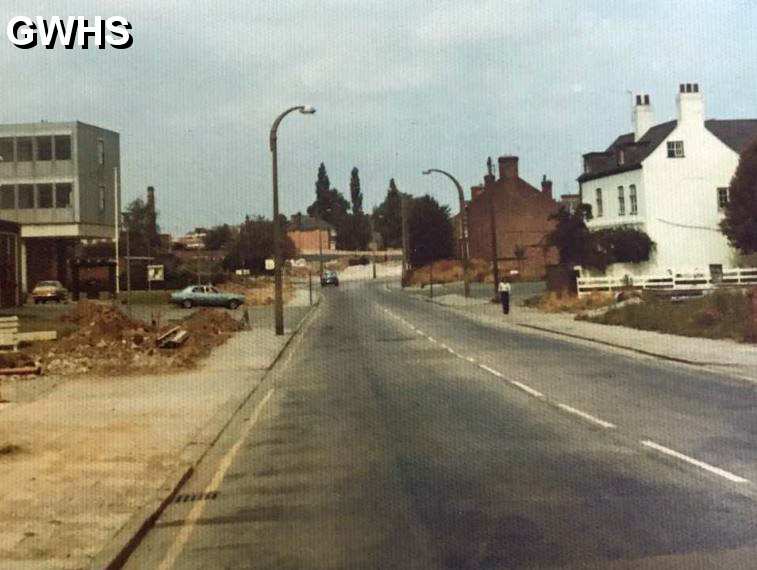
<point x="109" y="342"/>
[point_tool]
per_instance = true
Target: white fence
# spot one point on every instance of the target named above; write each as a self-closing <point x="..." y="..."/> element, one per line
<point x="694" y="281"/>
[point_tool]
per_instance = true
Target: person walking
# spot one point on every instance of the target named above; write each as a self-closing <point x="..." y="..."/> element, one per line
<point x="504" y="296"/>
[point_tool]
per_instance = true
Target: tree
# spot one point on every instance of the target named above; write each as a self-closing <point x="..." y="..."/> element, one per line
<point x="354" y="233"/>
<point x="740" y="222"/>
<point x="356" y="196"/>
<point x="218" y="237"/>
<point x="570" y="234"/>
<point x="387" y="217"/>
<point x="430" y="231"/>
<point x="254" y="244"/>
<point x="143" y="230"/>
<point x="329" y="205"/>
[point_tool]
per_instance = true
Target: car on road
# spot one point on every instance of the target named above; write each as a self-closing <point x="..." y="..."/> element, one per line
<point x="206" y="296"/>
<point x="329" y="278"/>
<point x="45" y="291"/>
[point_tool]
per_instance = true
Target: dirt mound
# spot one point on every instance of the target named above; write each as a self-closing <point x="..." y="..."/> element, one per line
<point x="209" y="321"/>
<point x="450" y="270"/>
<point x="100" y="320"/>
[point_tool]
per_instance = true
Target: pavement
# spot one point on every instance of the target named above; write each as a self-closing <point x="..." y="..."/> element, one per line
<point x="96" y="456"/>
<point x="397" y="435"/>
<point x="736" y="359"/>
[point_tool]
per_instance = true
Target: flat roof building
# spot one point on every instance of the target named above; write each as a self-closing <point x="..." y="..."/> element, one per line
<point x="58" y="182"/>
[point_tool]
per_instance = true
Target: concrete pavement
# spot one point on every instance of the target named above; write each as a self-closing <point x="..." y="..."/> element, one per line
<point x="399" y="436"/>
<point x="96" y="452"/>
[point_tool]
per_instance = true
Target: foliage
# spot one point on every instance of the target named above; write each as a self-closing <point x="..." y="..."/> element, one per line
<point x="740" y="223"/>
<point x="329" y="205"/>
<point x="430" y="231"/>
<point x="141" y="223"/>
<point x="254" y="244"/>
<point x="387" y="217"/>
<point x="218" y="237"/>
<point x="354" y="233"/>
<point x="577" y="245"/>
<point x="356" y="195"/>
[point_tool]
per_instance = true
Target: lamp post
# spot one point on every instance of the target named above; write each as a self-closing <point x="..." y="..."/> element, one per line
<point x="463" y="227"/>
<point x="278" y="306"/>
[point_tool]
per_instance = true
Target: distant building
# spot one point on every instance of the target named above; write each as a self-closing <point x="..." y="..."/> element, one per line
<point x="194" y="240"/>
<point x="671" y="181"/>
<point x="310" y="234"/>
<point x="521" y="214"/>
<point x="570" y="202"/>
<point x="10" y="264"/>
<point x="57" y="181"/>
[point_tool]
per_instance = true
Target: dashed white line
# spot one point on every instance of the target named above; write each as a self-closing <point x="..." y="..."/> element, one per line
<point x="420" y="332"/>
<point x="490" y="370"/>
<point x="588" y="417"/>
<point x="470" y="359"/>
<point x="701" y="464"/>
<point x="432" y="339"/>
<point x="527" y="389"/>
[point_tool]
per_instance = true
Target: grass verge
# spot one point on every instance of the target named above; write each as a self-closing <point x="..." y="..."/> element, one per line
<point x="723" y="314"/>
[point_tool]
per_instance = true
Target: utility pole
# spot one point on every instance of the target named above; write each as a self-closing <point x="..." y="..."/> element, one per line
<point x="128" y="266"/>
<point x="117" y="216"/>
<point x="320" y="249"/>
<point x="493" y="229"/>
<point x="405" y="238"/>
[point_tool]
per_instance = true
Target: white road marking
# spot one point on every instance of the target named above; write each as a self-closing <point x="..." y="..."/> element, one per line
<point x="692" y="461"/>
<point x="470" y="359"/>
<point x="420" y="332"/>
<point x="451" y="351"/>
<point x="444" y="346"/>
<point x="432" y="339"/>
<point x="490" y="370"/>
<point x="178" y="545"/>
<point x="527" y="389"/>
<point x="586" y="416"/>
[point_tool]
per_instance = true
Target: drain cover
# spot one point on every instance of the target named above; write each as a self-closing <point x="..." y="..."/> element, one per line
<point x="192" y="497"/>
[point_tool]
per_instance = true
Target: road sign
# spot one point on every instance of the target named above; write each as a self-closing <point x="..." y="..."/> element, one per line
<point x="156" y="272"/>
<point x="270" y="265"/>
<point x="242" y="272"/>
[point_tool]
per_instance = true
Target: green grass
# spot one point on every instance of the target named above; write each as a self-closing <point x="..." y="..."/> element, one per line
<point x="146" y="297"/>
<point x="723" y="314"/>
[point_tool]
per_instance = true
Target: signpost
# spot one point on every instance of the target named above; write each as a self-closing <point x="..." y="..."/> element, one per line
<point x="155" y="273"/>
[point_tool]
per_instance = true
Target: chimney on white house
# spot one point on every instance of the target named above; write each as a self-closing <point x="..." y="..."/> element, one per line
<point x="643" y="117"/>
<point x="690" y="103"/>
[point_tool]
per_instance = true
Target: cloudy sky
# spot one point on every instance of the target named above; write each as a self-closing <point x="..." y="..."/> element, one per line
<point x="400" y="86"/>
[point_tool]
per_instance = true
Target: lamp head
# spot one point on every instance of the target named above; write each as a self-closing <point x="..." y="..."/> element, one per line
<point x="307" y="110"/>
<point x="426" y="172"/>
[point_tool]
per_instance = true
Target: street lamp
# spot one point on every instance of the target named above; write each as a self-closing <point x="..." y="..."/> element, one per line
<point x="278" y="306"/>
<point x="463" y="226"/>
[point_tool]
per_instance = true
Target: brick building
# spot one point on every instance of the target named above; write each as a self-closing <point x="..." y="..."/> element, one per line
<point x="521" y="219"/>
<point x="310" y="234"/>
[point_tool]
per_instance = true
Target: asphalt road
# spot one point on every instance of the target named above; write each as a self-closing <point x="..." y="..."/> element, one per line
<point x="396" y="434"/>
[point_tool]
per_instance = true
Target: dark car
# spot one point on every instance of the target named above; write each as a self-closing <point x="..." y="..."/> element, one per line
<point x="329" y="278"/>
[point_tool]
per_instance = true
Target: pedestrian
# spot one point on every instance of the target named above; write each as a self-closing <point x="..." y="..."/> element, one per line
<point x="504" y="296"/>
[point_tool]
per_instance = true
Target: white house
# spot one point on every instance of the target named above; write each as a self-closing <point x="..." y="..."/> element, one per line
<point x="671" y="181"/>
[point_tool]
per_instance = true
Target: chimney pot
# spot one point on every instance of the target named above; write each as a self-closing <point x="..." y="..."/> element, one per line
<point x="696" y="88"/>
<point x="646" y="99"/>
<point x="682" y="88"/>
<point x="638" y="99"/>
<point x="546" y="186"/>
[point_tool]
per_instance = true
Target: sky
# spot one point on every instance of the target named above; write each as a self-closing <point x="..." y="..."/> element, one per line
<point x="400" y="87"/>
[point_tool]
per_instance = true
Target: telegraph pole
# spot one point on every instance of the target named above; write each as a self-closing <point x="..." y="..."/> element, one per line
<point x="405" y="239"/>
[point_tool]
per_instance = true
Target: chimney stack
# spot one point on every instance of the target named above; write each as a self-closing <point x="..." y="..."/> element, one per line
<point x="643" y="117"/>
<point x="508" y="167"/>
<point x="690" y="104"/>
<point x="546" y="186"/>
<point x="476" y="191"/>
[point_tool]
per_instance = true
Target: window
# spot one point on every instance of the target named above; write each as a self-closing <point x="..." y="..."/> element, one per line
<point x="63" y="147"/>
<point x="675" y="149"/>
<point x="621" y="201"/>
<point x="44" y="195"/>
<point x="24" y="151"/>
<point x="100" y="151"/>
<point x="6" y="150"/>
<point x="722" y="198"/>
<point x="621" y="157"/>
<point x="8" y="197"/>
<point x="633" y="199"/>
<point x="600" y="209"/>
<point x="62" y="195"/>
<point x="25" y="196"/>
<point x="44" y="148"/>
<point x="102" y="198"/>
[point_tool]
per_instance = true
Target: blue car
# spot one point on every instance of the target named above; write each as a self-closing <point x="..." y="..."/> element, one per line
<point x="206" y="296"/>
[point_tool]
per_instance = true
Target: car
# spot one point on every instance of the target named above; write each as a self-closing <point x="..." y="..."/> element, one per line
<point x="206" y="296"/>
<point x="329" y="278"/>
<point x="45" y="291"/>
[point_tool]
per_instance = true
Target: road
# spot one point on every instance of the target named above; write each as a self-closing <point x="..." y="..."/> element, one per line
<point x="396" y="434"/>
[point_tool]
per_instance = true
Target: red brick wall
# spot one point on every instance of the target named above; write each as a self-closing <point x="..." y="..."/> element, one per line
<point x="521" y="217"/>
<point x="308" y="240"/>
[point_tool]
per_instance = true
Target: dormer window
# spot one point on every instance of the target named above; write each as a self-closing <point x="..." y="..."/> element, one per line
<point x="621" y="157"/>
<point x="675" y="149"/>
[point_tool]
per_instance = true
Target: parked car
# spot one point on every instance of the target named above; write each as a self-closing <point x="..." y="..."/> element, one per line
<point x="207" y="296"/>
<point x="46" y="291"/>
<point x="329" y="278"/>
